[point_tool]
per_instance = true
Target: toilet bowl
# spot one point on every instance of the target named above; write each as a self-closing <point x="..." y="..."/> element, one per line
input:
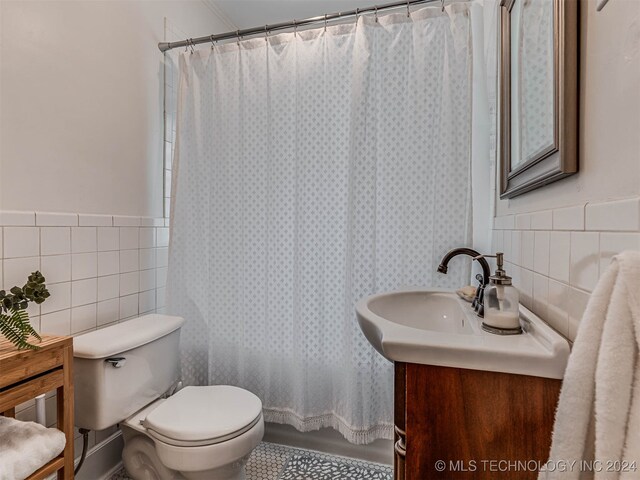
<point x="122" y="374"/>
<point x="198" y="433"/>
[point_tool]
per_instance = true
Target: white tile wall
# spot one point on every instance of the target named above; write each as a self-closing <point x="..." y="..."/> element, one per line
<point x="55" y="240"/>
<point x="95" y="220"/>
<point x="100" y="269"/>
<point x="108" y="287"/>
<point x="21" y="242"/>
<point x="147" y="280"/>
<point x="541" y="248"/>
<point x="84" y="292"/>
<point x="12" y="218"/>
<point x="84" y="265"/>
<point x="108" y="238"/>
<point x="16" y="268"/>
<point x="108" y="263"/>
<point x="124" y="221"/>
<point x="557" y="256"/>
<point x="128" y="238"/>
<point x="527" y="250"/>
<point x="147" y="258"/>
<point x="108" y="310"/>
<point x="58" y="268"/>
<point x="84" y="239"/>
<point x="83" y="318"/>
<point x="56" y="219"/>
<point x="621" y="215"/>
<point x="60" y="298"/>
<point x="129" y="261"/>
<point x="129" y="306"/>
<point x="129" y="283"/>
<point x="147" y="238"/>
<point x="584" y="270"/>
<point x="570" y="218"/>
<point x="56" y="323"/>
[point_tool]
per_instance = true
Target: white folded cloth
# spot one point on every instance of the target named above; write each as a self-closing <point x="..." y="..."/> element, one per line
<point x="597" y="426"/>
<point x="26" y="446"/>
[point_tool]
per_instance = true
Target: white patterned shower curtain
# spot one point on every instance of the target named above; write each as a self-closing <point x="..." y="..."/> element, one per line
<point x="314" y="169"/>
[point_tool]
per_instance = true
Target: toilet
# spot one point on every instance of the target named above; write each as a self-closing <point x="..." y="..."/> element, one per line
<point x="126" y="373"/>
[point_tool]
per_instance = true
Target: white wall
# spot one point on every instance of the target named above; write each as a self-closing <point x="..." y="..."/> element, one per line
<point x="558" y="240"/>
<point x="252" y="13"/>
<point x="81" y="98"/>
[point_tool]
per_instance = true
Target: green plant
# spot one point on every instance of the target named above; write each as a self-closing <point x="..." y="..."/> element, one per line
<point x="14" y="319"/>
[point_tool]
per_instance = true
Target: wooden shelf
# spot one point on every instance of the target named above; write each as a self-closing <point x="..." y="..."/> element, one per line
<point x="43" y="472"/>
<point x="29" y="373"/>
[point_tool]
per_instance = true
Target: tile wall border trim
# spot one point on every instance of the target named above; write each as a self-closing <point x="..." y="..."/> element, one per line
<point x="22" y="218"/>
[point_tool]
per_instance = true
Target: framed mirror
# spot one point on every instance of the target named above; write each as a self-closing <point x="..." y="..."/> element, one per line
<point x="538" y="93"/>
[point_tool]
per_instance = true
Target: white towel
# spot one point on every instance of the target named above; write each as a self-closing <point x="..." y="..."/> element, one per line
<point x="598" y="415"/>
<point x="26" y="446"/>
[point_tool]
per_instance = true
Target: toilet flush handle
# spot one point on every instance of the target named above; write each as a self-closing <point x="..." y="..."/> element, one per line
<point x="116" y="362"/>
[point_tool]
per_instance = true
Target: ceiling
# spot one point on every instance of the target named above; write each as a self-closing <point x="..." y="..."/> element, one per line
<point x="254" y="13"/>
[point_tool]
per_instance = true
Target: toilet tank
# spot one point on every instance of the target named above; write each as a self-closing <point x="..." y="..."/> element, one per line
<point x="124" y="367"/>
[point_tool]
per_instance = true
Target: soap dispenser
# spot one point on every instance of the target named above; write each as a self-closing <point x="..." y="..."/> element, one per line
<point x="501" y="302"/>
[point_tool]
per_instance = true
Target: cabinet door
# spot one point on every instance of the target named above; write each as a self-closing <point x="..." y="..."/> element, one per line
<point x="466" y="424"/>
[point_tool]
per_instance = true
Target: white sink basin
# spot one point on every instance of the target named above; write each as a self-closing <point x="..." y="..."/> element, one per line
<point x="436" y="327"/>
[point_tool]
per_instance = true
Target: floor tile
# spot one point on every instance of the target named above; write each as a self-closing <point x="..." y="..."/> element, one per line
<point x="270" y="461"/>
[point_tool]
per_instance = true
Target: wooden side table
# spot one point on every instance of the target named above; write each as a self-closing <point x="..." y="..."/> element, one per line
<point x="25" y="374"/>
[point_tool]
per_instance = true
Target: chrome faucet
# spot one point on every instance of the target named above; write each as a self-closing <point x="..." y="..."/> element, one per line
<point x="478" y="301"/>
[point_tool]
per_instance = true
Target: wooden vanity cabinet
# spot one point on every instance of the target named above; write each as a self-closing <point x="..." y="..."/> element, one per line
<point x="25" y="374"/>
<point x="473" y="421"/>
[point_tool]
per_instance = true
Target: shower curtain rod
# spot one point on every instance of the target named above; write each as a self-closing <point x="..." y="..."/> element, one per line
<point x="190" y="42"/>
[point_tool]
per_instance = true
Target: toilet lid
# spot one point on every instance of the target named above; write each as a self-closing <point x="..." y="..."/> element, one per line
<point x="196" y="414"/>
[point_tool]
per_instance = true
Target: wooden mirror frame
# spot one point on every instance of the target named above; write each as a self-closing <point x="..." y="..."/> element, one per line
<point x="560" y="159"/>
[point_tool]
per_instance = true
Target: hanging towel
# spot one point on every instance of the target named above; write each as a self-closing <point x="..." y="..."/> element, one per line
<point x="597" y="426"/>
<point x="26" y="446"/>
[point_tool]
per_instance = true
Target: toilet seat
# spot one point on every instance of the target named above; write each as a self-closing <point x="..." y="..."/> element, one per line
<point x="199" y="416"/>
<point x="223" y="460"/>
<point x="202" y="443"/>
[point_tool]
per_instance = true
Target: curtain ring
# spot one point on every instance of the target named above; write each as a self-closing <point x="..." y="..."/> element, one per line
<point x="238" y="37"/>
<point x="213" y="42"/>
<point x="295" y="27"/>
<point x="357" y="15"/>
<point x="376" y="13"/>
<point x="408" y="10"/>
<point x="190" y="43"/>
<point x="442" y="2"/>
<point x="266" y="34"/>
<point x="325" y="22"/>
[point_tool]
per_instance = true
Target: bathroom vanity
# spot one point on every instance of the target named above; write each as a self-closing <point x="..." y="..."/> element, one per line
<point x="457" y="423"/>
<point x="469" y="404"/>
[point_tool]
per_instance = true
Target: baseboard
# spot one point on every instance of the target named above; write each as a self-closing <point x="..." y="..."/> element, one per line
<point x="103" y="460"/>
<point x="329" y="441"/>
<point x="110" y="473"/>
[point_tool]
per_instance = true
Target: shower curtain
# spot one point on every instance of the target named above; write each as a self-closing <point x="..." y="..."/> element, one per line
<point x="313" y="169"/>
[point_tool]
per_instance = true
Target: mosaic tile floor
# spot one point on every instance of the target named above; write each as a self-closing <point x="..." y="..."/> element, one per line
<point x="270" y="461"/>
